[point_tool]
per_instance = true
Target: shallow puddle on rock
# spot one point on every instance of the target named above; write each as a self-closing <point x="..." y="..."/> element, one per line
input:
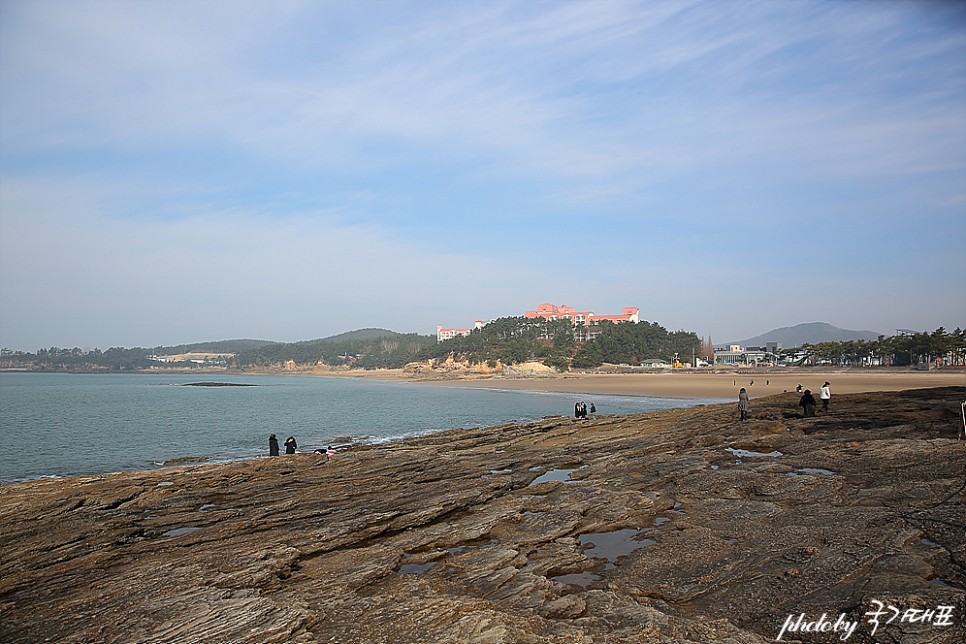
<point x="930" y="543"/>
<point x="582" y="579"/>
<point x="506" y="471"/>
<point x="416" y="569"/>
<point x="810" y="470"/>
<point x="562" y="475"/>
<point x="179" y="531"/>
<point x="658" y="522"/>
<point x="744" y="453"/>
<point x="611" y="545"/>
<point x="207" y="506"/>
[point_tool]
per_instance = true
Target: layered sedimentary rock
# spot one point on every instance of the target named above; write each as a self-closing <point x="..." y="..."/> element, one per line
<point x="683" y="525"/>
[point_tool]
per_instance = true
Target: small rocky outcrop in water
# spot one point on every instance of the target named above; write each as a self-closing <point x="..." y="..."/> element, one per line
<point x="218" y="384"/>
<point x="682" y="525"/>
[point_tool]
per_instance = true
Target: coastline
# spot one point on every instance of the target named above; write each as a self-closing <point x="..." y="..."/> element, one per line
<point x="684" y="384"/>
<point x="720" y="386"/>
<point x="681" y="525"/>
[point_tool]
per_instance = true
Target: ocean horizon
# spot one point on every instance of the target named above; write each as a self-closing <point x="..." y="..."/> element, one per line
<point x="59" y="424"/>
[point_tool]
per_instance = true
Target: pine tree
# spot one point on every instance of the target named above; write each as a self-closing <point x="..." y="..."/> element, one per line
<point x="707" y="349"/>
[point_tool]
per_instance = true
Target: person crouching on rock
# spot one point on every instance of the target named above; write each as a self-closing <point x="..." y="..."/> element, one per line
<point x="290" y="445"/>
<point x="272" y="445"/>
<point x="807" y="403"/>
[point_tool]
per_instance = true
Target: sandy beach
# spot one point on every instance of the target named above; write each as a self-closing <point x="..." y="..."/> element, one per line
<point x="722" y="385"/>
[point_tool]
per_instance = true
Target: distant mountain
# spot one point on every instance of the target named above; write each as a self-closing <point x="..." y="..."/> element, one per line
<point x="810" y="332"/>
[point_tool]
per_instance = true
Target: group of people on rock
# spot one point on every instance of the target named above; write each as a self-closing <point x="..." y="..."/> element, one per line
<point x="807" y="401"/>
<point x="580" y="409"/>
<point x="290" y="445"/>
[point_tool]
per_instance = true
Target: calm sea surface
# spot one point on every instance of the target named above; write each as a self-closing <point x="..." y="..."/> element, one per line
<point x="60" y="424"/>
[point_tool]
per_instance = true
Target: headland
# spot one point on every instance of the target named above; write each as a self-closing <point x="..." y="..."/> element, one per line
<point x="682" y="525"/>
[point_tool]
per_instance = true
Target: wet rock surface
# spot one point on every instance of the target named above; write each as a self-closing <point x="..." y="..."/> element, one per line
<point x="620" y="529"/>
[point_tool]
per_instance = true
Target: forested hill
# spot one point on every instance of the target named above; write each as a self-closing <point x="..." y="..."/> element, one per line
<point x="558" y="344"/>
<point x="365" y="348"/>
<point x="218" y="346"/>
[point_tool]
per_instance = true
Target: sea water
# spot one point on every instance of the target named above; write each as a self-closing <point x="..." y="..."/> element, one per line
<point x="55" y="424"/>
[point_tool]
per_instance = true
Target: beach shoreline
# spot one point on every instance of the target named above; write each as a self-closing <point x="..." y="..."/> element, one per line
<point x="692" y="385"/>
<point x="679" y="383"/>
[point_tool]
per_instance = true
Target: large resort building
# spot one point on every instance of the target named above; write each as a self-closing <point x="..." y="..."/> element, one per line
<point x="588" y="319"/>
<point x="447" y="334"/>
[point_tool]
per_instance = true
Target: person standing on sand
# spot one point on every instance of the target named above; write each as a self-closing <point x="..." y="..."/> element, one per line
<point x="826" y="395"/>
<point x="807" y="403"/>
<point x="272" y="445"/>
<point x="290" y="445"/>
<point x="743" y="403"/>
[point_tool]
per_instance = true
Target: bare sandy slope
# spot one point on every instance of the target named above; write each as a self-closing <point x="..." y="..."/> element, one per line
<point x="724" y="386"/>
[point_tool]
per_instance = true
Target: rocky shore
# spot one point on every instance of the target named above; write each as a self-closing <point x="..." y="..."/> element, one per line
<point x="682" y="525"/>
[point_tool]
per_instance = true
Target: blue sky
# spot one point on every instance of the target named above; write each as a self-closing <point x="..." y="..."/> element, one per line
<point x="183" y="171"/>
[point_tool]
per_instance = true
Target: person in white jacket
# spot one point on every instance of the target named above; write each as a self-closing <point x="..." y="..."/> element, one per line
<point x="825" y="394"/>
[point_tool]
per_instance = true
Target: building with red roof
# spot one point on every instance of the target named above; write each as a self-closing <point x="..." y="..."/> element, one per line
<point x="588" y="319"/>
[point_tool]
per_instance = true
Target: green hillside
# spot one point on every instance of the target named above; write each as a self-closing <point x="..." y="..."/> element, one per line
<point x="365" y="348"/>
<point x="218" y="346"/>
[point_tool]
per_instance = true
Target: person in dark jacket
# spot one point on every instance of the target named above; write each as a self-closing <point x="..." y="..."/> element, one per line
<point x="807" y="403"/>
<point x="743" y="403"/>
<point x="580" y="409"/>
<point x="290" y="445"/>
<point x="272" y="445"/>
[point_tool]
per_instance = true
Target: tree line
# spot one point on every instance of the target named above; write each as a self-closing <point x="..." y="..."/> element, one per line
<point x="114" y="358"/>
<point x="897" y="350"/>
<point x="510" y="340"/>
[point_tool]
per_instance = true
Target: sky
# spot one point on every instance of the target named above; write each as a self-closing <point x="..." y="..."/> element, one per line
<point x="177" y="172"/>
